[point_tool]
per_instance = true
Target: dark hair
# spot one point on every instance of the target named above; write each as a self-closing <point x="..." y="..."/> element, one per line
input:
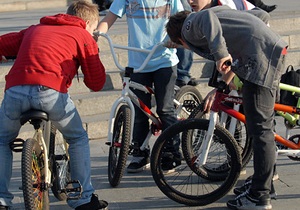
<point x="175" y="24"/>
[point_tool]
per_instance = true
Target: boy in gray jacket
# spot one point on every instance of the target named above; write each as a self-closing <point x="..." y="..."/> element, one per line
<point x="221" y="34"/>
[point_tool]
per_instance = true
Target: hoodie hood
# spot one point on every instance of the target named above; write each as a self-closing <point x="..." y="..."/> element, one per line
<point x="63" y="19"/>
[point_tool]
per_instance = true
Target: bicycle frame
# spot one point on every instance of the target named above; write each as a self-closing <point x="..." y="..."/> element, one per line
<point x="43" y="138"/>
<point x="290" y="113"/>
<point x="292" y="119"/>
<point x="128" y="97"/>
<point x="218" y="105"/>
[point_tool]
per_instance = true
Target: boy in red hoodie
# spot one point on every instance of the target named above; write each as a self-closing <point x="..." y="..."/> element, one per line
<point x="48" y="56"/>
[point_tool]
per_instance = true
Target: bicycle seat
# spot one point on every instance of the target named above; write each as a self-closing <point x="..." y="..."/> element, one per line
<point x="32" y="115"/>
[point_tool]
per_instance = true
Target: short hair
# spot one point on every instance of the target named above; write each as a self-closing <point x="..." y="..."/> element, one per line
<point x="175" y="24"/>
<point x="84" y="9"/>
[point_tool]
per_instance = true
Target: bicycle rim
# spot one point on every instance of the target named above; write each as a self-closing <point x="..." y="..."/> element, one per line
<point x="185" y="184"/>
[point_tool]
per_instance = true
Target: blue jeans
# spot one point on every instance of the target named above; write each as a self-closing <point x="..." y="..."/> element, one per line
<point x="185" y="57"/>
<point x="163" y="81"/>
<point x="63" y="114"/>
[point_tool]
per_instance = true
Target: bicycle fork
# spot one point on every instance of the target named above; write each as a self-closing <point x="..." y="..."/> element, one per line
<point x="205" y="146"/>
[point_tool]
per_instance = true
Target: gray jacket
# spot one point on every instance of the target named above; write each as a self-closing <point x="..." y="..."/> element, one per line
<point x="218" y="31"/>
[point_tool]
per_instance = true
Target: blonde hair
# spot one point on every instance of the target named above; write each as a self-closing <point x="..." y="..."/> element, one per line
<point x="84" y="9"/>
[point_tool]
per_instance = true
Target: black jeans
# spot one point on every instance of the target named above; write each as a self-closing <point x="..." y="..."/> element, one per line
<point x="163" y="81"/>
<point x="258" y="105"/>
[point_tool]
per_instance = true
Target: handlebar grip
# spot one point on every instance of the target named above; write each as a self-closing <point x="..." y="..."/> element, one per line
<point x="228" y="63"/>
<point x="213" y="80"/>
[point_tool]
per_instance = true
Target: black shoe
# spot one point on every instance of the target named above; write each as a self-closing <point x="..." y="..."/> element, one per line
<point x="193" y="82"/>
<point x="3" y="207"/>
<point x="94" y="204"/>
<point x="170" y="161"/>
<point x="180" y="83"/>
<point x="247" y="201"/>
<point x="246" y="186"/>
<point x="138" y="164"/>
<point x="268" y="8"/>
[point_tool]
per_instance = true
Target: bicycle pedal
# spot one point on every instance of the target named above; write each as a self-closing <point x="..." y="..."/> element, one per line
<point x="61" y="157"/>
<point x="17" y="145"/>
<point x="73" y="190"/>
<point x="190" y="105"/>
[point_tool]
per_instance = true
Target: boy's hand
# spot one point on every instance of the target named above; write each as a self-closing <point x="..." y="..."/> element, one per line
<point x="222" y="64"/>
<point x="96" y="35"/>
<point x="170" y="44"/>
<point x="3" y="59"/>
<point x="208" y="100"/>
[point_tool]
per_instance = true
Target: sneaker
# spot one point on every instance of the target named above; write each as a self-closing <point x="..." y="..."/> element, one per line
<point x="193" y="82"/>
<point x="170" y="162"/>
<point x="246" y="186"/>
<point x="138" y="164"/>
<point x="3" y="207"/>
<point x="94" y="204"/>
<point x="180" y="83"/>
<point x="246" y="201"/>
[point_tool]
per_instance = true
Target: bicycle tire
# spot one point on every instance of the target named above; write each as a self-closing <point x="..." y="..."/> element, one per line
<point x="119" y="149"/>
<point x="60" y="164"/>
<point x="245" y="143"/>
<point x="188" y="93"/>
<point x="35" y="191"/>
<point x="182" y="184"/>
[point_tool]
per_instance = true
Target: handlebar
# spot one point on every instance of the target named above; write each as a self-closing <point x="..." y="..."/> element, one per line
<point x="213" y="81"/>
<point x="113" y="46"/>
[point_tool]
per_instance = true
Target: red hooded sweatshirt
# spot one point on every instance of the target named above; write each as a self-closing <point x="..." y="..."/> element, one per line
<point x="51" y="52"/>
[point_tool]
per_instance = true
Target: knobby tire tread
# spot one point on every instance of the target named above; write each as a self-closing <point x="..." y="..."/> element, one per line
<point x="121" y="134"/>
<point x="29" y="148"/>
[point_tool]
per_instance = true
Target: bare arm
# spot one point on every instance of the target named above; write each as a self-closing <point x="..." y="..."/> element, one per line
<point x="107" y="22"/>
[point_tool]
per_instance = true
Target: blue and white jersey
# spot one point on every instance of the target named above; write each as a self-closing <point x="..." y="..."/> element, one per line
<point x="146" y="21"/>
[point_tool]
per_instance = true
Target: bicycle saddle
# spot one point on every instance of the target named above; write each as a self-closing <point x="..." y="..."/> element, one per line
<point x="33" y="115"/>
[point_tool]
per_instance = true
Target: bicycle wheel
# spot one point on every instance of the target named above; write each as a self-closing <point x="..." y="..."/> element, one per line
<point x="189" y="97"/>
<point x="183" y="184"/>
<point x="240" y="135"/>
<point x="119" y="149"/>
<point x="35" y="191"/>
<point x="60" y="164"/>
